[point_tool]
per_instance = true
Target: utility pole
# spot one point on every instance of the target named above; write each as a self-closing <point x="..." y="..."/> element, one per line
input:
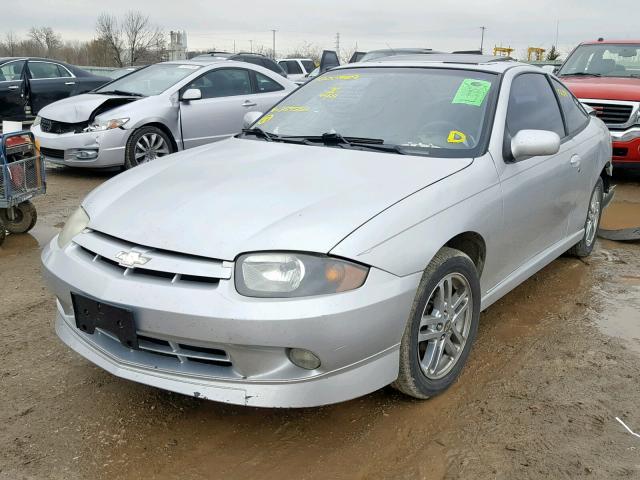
<point x="251" y="46"/>
<point x="274" y="44"/>
<point x="482" y="39"/>
<point x="234" y="46"/>
<point x="338" y="44"/>
<point x="557" y="33"/>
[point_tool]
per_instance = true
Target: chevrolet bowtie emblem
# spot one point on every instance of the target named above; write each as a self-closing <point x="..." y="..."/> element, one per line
<point x="131" y="259"/>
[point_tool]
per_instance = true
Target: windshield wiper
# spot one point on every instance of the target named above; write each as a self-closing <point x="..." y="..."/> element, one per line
<point x="121" y="92"/>
<point x="358" y="143"/>
<point x="580" y="74"/>
<point x="258" y="132"/>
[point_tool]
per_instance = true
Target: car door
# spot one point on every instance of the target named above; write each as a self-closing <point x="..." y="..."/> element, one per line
<point x="49" y="82"/>
<point x="538" y="191"/>
<point x="227" y="94"/>
<point x="267" y="90"/>
<point x="585" y="157"/>
<point x="11" y="99"/>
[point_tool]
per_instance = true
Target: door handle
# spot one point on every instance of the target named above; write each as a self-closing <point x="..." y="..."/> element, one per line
<point x="249" y="103"/>
<point x="14" y="87"/>
<point x="575" y="161"/>
<point x="69" y="83"/>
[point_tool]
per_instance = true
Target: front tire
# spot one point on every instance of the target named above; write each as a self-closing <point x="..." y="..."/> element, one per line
<point x="146" y="144"/>
<point x="442" y="326"/>
<point x="594" y="214"/>
<point x="25" y="217"/>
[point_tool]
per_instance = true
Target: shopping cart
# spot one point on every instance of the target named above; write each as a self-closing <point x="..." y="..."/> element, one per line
<point x="22" y="177"/>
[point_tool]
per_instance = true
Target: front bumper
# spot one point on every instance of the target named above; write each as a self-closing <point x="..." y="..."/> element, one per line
<point x="355" y="334"/>
<point x="626" y="147"/>
<point x="108" y="147"/>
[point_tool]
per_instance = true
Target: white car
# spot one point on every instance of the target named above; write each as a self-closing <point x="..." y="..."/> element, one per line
<point x="155" y="111"/>
<point x="297" y="68"/>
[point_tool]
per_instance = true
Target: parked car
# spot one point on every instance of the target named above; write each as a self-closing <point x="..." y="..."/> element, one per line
<point x="29" y="84"/>
<point x="155" y="111"/>
<point x="605" y="75"/>
<point x="394" y="52"/>
<point x="348" y="240"/>
<point x="297" y="68"/>
<point x="255" y="58"/>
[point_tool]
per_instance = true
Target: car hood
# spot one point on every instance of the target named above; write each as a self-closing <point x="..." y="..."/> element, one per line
<point x="82" y="108"/>
<point x="604" y="88"/>
<point x="242" y="195"/>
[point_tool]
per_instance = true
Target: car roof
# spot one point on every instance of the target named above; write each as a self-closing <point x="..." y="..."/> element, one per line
<point x="490" y="63"/>
<point x="608" y="42"/>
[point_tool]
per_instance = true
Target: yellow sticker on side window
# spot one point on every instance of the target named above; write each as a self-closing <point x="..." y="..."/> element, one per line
<point x="456" y="137"/>
<point x="562" y="92"/>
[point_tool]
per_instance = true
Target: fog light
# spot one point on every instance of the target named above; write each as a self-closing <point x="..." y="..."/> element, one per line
<point x="304" y="359"/>
<point x="85" y="154"/>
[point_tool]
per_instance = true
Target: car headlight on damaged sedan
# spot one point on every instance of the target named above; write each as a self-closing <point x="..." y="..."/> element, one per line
<point x="76" y="223"/>
<point x="287" y="275"/>
<point x="106" y="125"/>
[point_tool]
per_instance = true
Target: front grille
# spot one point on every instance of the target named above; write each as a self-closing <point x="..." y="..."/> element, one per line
<point x="620" y="152"/>
<point x="52" y="153"/>
<point x="612" y="114"/>
<point x="180" y="352"/>
<point x="58" y="128"/>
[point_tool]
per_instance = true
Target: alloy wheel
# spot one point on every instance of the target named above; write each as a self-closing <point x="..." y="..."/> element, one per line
<point x="149" y="147"/>
<point x="593" y="217"/>
<point x="444" y="326"/>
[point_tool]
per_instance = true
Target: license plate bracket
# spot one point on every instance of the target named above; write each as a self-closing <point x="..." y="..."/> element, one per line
<point x="91" y="314"/>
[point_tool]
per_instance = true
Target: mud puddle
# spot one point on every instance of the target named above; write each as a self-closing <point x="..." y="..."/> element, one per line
<point x="38" y="237"/>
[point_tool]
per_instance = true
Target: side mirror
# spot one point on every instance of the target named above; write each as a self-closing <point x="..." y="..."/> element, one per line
<point x="192" y="94"/>
<point x="556" y="70"/>
<point x="534" y="143"/>
<point x="250" y="118"/>
<point x="590" y="110"/>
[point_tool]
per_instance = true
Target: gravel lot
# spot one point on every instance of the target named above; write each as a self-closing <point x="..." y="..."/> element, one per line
<point x="555" y="362"/>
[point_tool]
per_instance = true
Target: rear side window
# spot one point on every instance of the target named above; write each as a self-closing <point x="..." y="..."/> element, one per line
<point x="11" y="72"/>
<point x="224" y="82"/>
<point x="46" y="70"/>
<point x="293" y="67"/>
<point x="265" y="84"/>
<point x="574" y="114"/>
<point x="533" y="106"/>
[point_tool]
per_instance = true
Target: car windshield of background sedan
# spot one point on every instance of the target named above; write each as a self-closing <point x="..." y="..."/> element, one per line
<point x="604" y="60"/>
<point x="418" y="111"/>
<point x="152" y="80"/>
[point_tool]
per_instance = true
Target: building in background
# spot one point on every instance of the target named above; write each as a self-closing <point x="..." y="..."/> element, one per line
<point x="177" y="45"/>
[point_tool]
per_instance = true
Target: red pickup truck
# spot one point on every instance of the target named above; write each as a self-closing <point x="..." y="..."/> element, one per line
<point x="605" y="75"/>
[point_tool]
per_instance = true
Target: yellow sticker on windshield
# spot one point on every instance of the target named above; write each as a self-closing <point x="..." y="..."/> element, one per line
<point x="265" y="119"/>
<point x="456" y="137"/>
<point x="327" y="78"/>
<point x="331" y="93"/>
<point x="290" y="108"/>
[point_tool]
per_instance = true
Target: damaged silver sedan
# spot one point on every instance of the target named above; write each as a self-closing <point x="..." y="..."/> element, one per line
<point x="155" y="111"/>
<point x="348" y="240"/>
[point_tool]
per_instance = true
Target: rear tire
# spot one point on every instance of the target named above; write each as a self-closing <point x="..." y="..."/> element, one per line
<point x="585" y="246"/>
<point x="146" y="144"/>
<point x="442" y="326"/>
<point x="25" y="218"/>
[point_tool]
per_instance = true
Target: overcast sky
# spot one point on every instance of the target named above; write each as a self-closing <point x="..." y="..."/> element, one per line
<point x="371" y="24"/>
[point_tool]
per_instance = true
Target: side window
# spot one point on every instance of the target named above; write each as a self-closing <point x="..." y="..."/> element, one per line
<point x="223" y="82"/>
<point x="308" y="65"/>
<point x="284" y="66"/>
<point x="264" y="84"/>
<point x="44" y="70"/>
<point x="11" y="72"/>
<point x="574" y="113"/>
<point x="293" y="67"/>
<point x="533" y="106"/>
<point x="63" y="72"/>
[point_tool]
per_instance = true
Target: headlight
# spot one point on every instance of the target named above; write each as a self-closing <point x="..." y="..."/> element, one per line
<point x="36" y="121"/>
<point x="76" y="223"/>
<point x="106" y="125"/>
<point x="286" y="275"/>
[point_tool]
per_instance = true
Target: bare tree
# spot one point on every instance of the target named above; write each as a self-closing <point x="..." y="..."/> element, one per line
<point x="46" y="40"/>
<point x="109" y="34"/>
<point x="141" y="36"/>
<point x="10" y="44"/>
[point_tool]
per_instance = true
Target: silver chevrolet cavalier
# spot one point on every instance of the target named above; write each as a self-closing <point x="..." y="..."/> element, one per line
<point x="348" y="239"/>
<point x="155" y="111"/>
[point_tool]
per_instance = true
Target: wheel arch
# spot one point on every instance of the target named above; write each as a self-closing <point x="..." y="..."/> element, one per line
<point x="164" y="128"/>
<point x="472" y="244"/>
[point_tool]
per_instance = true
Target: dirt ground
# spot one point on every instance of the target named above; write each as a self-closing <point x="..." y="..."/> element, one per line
<point x="555" y="362"/>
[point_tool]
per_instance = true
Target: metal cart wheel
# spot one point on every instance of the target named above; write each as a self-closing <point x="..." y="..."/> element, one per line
<point x="21" y="219"/>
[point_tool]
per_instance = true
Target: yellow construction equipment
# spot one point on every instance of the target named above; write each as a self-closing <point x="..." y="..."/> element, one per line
<point x="538" y="53"/>
<point x="503" y="51"/>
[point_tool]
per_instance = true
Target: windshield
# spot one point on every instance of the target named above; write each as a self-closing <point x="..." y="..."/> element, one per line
<point x="151" y="80"/>
<point x="606" y="60"/>
<point x="425" y="111"/>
